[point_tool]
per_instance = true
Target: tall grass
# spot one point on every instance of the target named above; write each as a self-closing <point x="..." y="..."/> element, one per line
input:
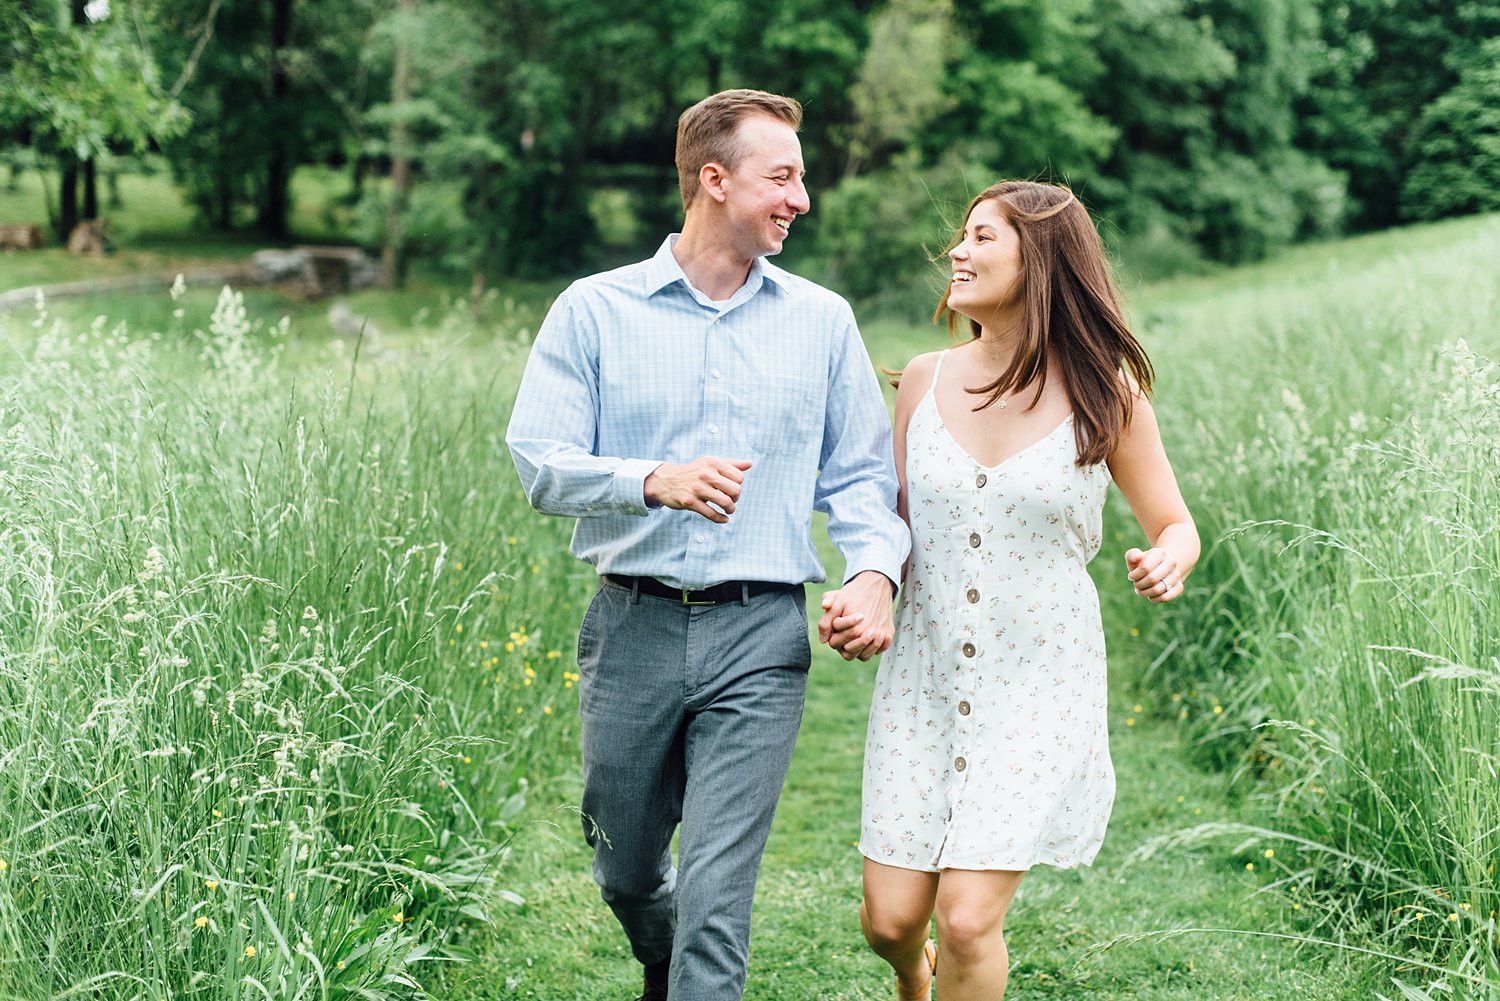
<point x="279" y="649"/>
<point x="1337" y="432"/>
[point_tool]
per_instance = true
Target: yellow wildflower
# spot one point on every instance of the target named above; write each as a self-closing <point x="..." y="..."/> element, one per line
<point x="1249" y="866"/>
<point x="200" y="921"/>
<point x="249" y="951"/>
<point x="1269" y="853"/>
<point x="547" y="710"/>
<point x="212" y="884"/>
<point x="1218" y="710"/>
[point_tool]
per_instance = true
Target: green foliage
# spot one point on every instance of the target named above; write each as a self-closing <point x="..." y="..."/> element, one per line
<point x="79" y="89"/>
<point x="272" y="691"/>
<point x="1336" y="422"/>
<point x="1456" y="146"/>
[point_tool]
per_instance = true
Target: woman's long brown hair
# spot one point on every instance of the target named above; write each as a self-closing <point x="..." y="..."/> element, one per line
<point x="1073" y="317"/>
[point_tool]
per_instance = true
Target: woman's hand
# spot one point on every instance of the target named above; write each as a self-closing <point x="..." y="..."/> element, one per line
<point x="1155" y="574"/>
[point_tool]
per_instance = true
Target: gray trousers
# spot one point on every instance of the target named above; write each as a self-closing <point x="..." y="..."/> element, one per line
<point x="689" y="716"/>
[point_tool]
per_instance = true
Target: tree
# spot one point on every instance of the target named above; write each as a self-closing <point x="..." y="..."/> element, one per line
<point x="75" y="90"/>
<point x="1456" y="145"/>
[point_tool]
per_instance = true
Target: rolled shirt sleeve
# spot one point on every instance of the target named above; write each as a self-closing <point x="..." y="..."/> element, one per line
<point x="857" y="485"/>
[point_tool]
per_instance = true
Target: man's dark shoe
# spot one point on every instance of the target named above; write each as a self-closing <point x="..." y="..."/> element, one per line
<point x="656" y="981"/>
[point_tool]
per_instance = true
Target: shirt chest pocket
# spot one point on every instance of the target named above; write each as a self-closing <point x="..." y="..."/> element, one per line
<point x="786" y="414"/>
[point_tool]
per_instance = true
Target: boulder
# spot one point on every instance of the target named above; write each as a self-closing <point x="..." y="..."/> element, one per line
<point x="21" y="236"/>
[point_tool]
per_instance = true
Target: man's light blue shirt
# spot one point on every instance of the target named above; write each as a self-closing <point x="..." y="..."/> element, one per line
<point x="634" y="368"/>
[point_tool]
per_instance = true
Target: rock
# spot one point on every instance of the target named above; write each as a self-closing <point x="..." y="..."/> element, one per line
<point x="90" y="237"/>
<point x="347" y="323"/>
<point x="21" y="236"/>
<point x="316" y="271"/>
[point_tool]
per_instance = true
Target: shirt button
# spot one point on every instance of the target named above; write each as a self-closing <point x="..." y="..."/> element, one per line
<point x="700" y="538"/>
<point x="960" y="764"/>
<point x="713" y="429"/>
<point x="973" y="595"/>
<point x="968" y="649"/>
<point x="981" y="480"/>
<point x="974" y="539"/>
<point x="963" y="709"/>
<point x="717" y="374"/>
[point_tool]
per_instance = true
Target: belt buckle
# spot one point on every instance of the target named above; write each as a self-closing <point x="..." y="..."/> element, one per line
<point x="685" y="600"/>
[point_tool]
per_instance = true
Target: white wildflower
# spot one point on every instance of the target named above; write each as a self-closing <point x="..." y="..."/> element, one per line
<point x="152" y="567"/>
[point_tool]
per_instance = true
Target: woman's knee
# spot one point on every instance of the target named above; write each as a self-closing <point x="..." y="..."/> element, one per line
<point x="888" y="927"/>
<point x="969" y="933"/>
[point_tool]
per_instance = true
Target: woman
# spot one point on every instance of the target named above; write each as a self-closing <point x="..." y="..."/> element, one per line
<point x="987" y="750"/>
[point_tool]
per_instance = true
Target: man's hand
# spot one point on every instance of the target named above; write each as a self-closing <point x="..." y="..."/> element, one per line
<point x="706" y="486"/>
<point x="857" y="617"/>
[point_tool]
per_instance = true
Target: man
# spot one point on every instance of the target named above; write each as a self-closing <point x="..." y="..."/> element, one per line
<point x="691" y="411"/>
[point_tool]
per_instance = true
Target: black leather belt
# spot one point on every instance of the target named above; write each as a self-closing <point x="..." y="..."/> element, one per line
<point x="730" y="590"/>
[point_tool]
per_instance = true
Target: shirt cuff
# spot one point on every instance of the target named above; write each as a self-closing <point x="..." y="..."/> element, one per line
<point x="629" y="486"/>
<point x="892" y="570"/>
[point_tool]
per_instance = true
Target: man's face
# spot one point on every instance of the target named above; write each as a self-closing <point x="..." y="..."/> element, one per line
<point x="765" y="192"/>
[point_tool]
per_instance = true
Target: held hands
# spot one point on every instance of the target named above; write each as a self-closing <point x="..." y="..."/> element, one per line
<point x="1155" y="574"/>
<point x="708" y="486"/>
<point x="857" y="617"/>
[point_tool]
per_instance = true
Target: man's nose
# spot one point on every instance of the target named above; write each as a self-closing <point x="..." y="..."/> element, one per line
<point x="797" y="198"/>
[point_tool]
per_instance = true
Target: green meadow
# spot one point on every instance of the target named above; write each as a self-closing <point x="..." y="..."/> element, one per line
<point x="286" y="661"/>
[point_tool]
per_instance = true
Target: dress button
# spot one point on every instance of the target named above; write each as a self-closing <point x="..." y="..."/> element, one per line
<point x="713" y="429"/>
<point x="963" y="709"/>
<point x="968" y="649"/>
<point x="974" y="539"/>
<point x="973" y="595"/>
<point x="980" y="480"/>
<point x="960" y="764"/>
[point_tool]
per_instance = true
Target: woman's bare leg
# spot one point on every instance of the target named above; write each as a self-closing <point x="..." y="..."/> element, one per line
<point x="896" y="916"/>
<point x="971" y="908"/>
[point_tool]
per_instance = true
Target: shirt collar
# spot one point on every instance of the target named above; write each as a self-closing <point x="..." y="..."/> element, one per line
<point x="663" y="270"/>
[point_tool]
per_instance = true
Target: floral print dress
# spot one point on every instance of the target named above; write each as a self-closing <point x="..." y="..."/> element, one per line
<point x="988" y="745"/>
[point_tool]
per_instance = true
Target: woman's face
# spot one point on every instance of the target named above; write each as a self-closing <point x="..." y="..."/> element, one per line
<point x="986" y="264"/>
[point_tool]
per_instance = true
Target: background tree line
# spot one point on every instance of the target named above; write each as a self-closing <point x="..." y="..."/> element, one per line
<point x="533" y="138"/>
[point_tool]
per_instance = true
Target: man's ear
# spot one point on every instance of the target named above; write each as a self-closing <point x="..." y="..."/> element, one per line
<point x="712" y="177"/>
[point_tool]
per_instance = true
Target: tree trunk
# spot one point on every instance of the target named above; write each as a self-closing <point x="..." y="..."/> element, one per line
<point x="275" y="210"/>
<point x="90" y="190"/>
<point x="392" y="253"/>
<point x="67" y="199"/>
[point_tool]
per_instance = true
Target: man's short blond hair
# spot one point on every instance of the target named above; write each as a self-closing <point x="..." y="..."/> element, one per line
<point x="708" y="132"/>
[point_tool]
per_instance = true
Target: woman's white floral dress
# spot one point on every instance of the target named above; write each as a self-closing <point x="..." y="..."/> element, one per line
<point x="988" y="746"/>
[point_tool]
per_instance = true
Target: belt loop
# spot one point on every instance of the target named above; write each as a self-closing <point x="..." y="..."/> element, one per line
<point x="635" y="590"/>
<point x="745" y="593"/>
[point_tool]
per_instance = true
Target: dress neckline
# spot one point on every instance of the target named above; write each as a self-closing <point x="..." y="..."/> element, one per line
<point x="931" y="398"/>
